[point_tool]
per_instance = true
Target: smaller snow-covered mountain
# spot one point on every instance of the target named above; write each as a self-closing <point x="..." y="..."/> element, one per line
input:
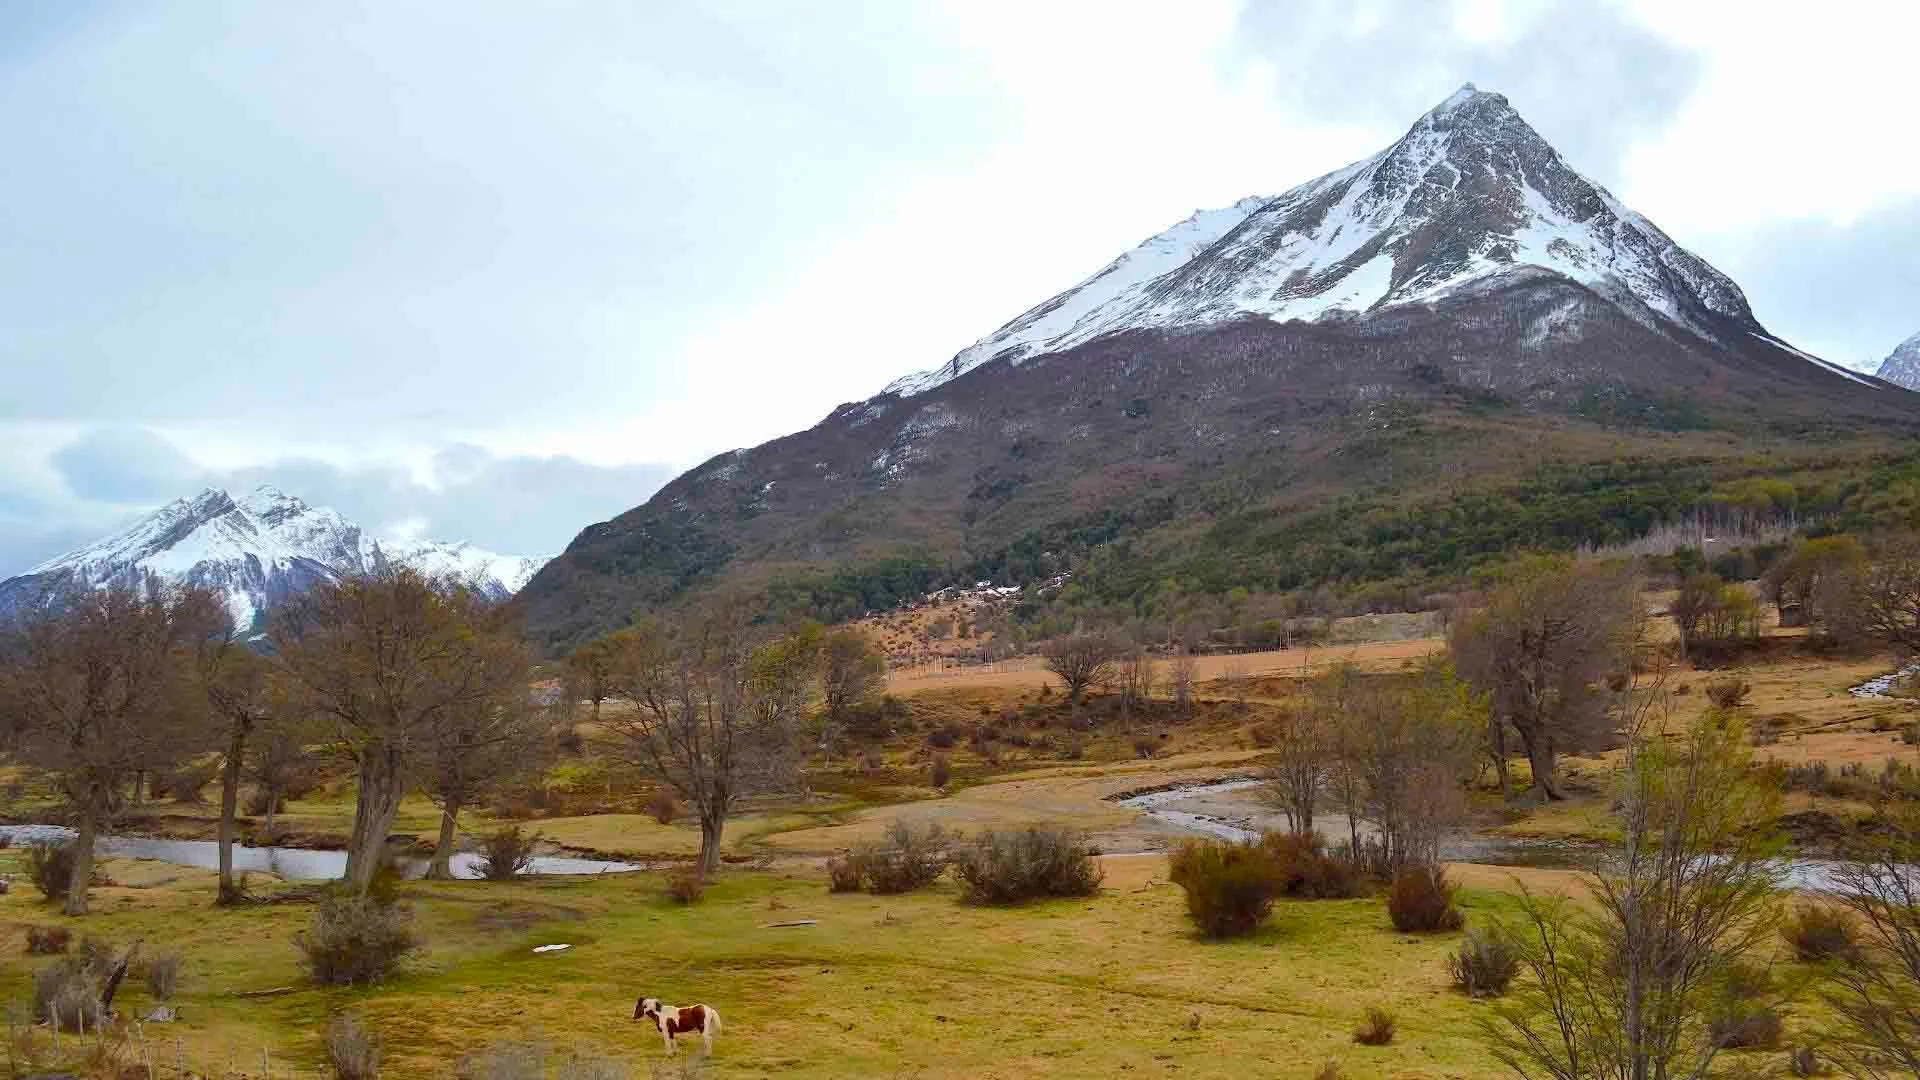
<point x="258" y="549"/>
<point x="1902" y="365"/>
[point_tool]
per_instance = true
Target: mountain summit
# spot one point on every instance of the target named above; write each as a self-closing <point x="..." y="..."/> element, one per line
<point x="1363" y="380"/>
<point x="1470" y="196"/>
<point x="1902" y="365"/>
<point x="258" y="549"/>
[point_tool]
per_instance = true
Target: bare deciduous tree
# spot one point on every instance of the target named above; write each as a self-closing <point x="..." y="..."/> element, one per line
<point x="1542" y="649"/>
<point x="383" y="660"/>
<point x="1621" y="990"/>
<point x="1691" y="605"/>
<point x="1413" y="740"/>
<point x="1180" y="677"/>
<point x="242" y="698"/>
<point x="1305" y="752"/>
<point x="278" y="761"/>
<point x="1879" y="601"/>
<point x="1080" y="661"/>
<point x="1136" y="678"/>
<point x="852" y="674"/>
<point x="716" y="713"/>
<point x="100" y="685"/>
<point x="1874" y="987"/>
<point x="590" y="671"/>
<point x="473" y="750"/>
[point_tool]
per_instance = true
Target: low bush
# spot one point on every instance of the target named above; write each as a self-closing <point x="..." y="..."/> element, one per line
<point x="663" y="806"/>
<point x="163" y="975"/>
<point x="261" y="800"/>
<point x="1486" y="962"/>
<point x="686" y="885"/>
<point x="1145" y="746"/>
<point x="1308" y="871"/>
<point x="352" y="1049"/>
<point x="1421" y="901"/>
<point x="1012" y="865"/>
<point x="1741" y="1025"/>
<point x="911" y="857"/>
<point x="944" y="737"/>
<point x="845" y="874"/>
<point x="505" y="853"/>
<point x="940" y="771"/>
<point x="1376" y="1027"/>
<point x="1816" y="932"/>
<point x="504" y="1061"/>
<point x="356" y="939"/>
<point x="50" y="865"/>
<point x="1230" y="887"/>
<point x="1329" y="1071"/>
<point x="1728" y="693"/>
<point x="186" y="783"/>
<point x="48" y="940"/>
<point x="1802" y="1061"/>
<point x="66" y="994"/>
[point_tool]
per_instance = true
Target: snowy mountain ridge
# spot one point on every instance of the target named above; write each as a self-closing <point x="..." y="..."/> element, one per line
<point x="1469" y="196"/>
<point x="258" y="549"/>
<point x="1902" y="365"/>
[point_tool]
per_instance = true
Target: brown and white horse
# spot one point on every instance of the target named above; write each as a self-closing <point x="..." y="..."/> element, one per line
<point x="674" y="1022"/>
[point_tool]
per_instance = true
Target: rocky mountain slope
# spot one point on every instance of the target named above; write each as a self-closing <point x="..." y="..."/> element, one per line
<point x="258" y="549"/>
<point x="1902" y="365"/>
<point x="1457" y="310"/>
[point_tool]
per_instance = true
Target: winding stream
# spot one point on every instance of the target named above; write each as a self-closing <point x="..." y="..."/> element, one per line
<point x="292" y="864"/>
<point x="1816" y="875"/>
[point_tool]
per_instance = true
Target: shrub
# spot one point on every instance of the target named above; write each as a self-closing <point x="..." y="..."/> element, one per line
<point x="1816" y="932"/>
<point x="1145" y="746"/>
<point x="845" y="874"/>
<point x="1230" y="887"/>
<point x="185" y="783"/>
<point x="1802" y="1061"/>
<point x="51" y="867"/>
<point x="1009" y="866"/>
<point x="911" y="857"/>
<point x="944" y="737"/>
<point x="1421" y="901"/>
<point x="1741" y="1025"/>
<point x="940" y="771"/>
<point x="1307" y="871"/>
<point x="48" y="940"/>
<point x="504" y="1061"/>
<point x="1728" y="693"/>
<point x="505" y="853"/>
<point x="352" y="1050"/>
<point x="1376" y="1028"/>
<point x="355" y="939"/>
<point x="686" y="885"/>
<point x="260" y="800"/>
<point x="662" y="804"/>
<point x="1329" y="1071"/>
<point x="163" y="975"/>
<point x="1486" y="962"/>
<point x="66" y="993"/>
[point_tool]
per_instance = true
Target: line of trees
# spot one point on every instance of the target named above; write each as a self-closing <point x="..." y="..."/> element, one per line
<point x="417" y="682"/>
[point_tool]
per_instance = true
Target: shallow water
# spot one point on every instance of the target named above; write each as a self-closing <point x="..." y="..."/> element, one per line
<point x="1814" y="875"/>
<point x="292" y="864"/>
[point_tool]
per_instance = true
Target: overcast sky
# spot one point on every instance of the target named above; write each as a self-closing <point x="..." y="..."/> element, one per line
<point x="494" y="270"/>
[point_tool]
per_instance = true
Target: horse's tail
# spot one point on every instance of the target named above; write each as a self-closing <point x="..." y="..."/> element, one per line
<point x="713" y="1020"/>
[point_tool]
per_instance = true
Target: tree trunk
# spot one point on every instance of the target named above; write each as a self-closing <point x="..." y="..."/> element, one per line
<point x="229" y="806"/>
<point x="86" y="830"/>
<point x="1540" y="756"/>
<point x="441" y="869"/>
<point x="1497" y="736"/>
<point x="273" y="805"/>
<point x="378" y="800"/>
<point x="711" y="822"/>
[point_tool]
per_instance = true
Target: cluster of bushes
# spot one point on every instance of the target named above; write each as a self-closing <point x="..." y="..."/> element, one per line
<point x="996" y="867"/>
<point x="1852" y="780"/>
<point x="50" y="865"/>
<point x="1231" y="887"/>
<point x="1420" y="901"/>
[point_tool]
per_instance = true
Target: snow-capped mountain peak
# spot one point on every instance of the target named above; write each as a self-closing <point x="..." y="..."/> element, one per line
<point x="1902" y="365"/>
<point x="1471" y="195"/>
<point x="258" y="549"/>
